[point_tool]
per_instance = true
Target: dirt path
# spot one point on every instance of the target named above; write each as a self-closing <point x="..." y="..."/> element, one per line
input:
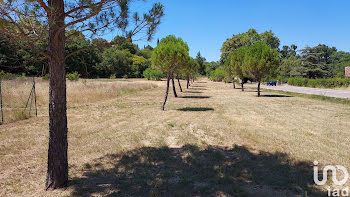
<point x="305" y="90"/>
<point x="210" y="141"/>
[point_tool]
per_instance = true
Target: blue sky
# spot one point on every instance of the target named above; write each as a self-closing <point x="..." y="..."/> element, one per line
<point x="206" y="24"/>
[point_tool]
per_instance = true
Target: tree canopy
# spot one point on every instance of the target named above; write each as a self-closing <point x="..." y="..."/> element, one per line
<point x="247" y="39"/>
<point x="170" y="55"/>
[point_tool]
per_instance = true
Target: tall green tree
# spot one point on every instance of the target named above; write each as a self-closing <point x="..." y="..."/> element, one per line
<point x="260" y="59"/>
<point x="317" y="61"/>
<point x="30" y="21"/>
<point x="201" y="61"/>
<point x="170" y="55"/>
<point x="236" y="64"/>
<point x="247" y="39"/>
<point x="190" y="70"/>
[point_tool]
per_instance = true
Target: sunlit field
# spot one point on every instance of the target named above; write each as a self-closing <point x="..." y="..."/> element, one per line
<point x="212" y="140"/>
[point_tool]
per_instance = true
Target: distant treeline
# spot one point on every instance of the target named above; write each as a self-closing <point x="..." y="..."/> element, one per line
<point x="122" y="60"/>
<point x="317" y="62"/>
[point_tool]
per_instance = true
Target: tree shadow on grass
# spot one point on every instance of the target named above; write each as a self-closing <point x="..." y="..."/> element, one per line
<point x="196" y="109"/>
<point x="195" y="97"/>
<point x="198" y="88"/>
<point x="195" y="92"/>
<point x="275" y="95"/>
<point x="194" y="171"/>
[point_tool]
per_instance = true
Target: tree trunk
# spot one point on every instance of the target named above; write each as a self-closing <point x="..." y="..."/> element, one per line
<point x="178" y="80"/>
<point x="259" y="88"/>
<point x="188" y="82"/>
<point x="242" y="86"/>
<point x="172" y="81"/>
<point x="166" y="92"/>
<point x="234" y="84"/>
<point x="57" y="163"/>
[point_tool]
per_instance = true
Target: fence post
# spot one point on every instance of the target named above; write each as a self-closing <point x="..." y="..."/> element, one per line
<point x="2" y="113"/>
<point x="36" y="110"/>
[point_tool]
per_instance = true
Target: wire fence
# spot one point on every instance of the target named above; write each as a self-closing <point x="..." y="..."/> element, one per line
<point x="17" y="99"/>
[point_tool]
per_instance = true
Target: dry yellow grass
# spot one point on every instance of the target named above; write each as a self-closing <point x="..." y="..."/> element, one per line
<point x="115" y="140"/>
<point x="83" y="92"/>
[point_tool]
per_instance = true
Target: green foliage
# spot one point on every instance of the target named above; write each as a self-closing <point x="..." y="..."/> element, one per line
<point x="235" y="63"/>
<point x="210" y="66"/>
<point x="171" y="55"/>
<point x="218" y="75"/>
<point x="46" y="77"/>
<point x="192" y="68"/>
<point x="139" y="65"/>
<point x="112" y="76"/>
<point x="115" y="61"/>
<point x="152" y="74"/>
<point x="201" y="63"/>
<point x="316" y="61"/>
<point x="4" y="75"/>
<point x="73" y="76"/>
<point x="85" y="61"/>
<point x="322" y="83"/>
<point x="246" y="39"/>
<point x="260" y="60"/>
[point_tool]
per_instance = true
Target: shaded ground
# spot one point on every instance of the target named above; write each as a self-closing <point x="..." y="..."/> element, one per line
<point x="192" y="171"/>
<point x="227" y="143"/>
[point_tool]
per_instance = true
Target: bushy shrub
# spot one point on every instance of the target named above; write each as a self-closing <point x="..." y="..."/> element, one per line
<point x="322" y="83"/>
<point x="152" y="74"/>
<point x="73" y="76"/>
<point x="4" y="75"/>
<point x="218" y="75"/>
<point x="112" y="76"/>
<point x="46" y="77"/>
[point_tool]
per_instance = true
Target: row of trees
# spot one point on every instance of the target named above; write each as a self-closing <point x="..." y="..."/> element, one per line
<point x="172" y="57"/>
<point x="255" y="61"/>
<point x="311" y="62"/>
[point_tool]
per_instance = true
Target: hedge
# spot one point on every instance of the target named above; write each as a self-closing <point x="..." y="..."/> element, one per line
<point x="322" y="83"/>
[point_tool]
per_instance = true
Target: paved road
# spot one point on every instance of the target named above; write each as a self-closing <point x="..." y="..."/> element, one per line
<point x="304" y="90"/>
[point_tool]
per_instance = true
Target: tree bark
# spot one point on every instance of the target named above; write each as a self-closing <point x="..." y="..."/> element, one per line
<point x="166" y="92"/>
<point x="57" y="163"/>
<point x="188" y="82"/>
<point x="242" y="86"/>
<point x="259" y="88"/>
<point x="234" y="84"/>
<point x="172" y="81"/>
<point x="178" y="80"/>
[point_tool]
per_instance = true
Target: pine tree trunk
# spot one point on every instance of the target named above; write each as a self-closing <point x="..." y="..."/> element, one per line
<point x="188" y="82"/>
<point x="178" y="80"/>
<point x="166" y="92"/>
<point x="57" y="164"/>
<point x="234" y="84"/>
<point x="259" y="88"/>
<point x="242" y="86"/>
<point x="172" y="81"/>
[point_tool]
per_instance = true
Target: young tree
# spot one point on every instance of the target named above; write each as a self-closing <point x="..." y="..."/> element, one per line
<point x="190" y="70"/>
<point x="259" y="61"/>
<point x="229" y="70"/>
<point x="236" y="65"/>
<point x="30" y="21"/>
<point x="170" y="55"/>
